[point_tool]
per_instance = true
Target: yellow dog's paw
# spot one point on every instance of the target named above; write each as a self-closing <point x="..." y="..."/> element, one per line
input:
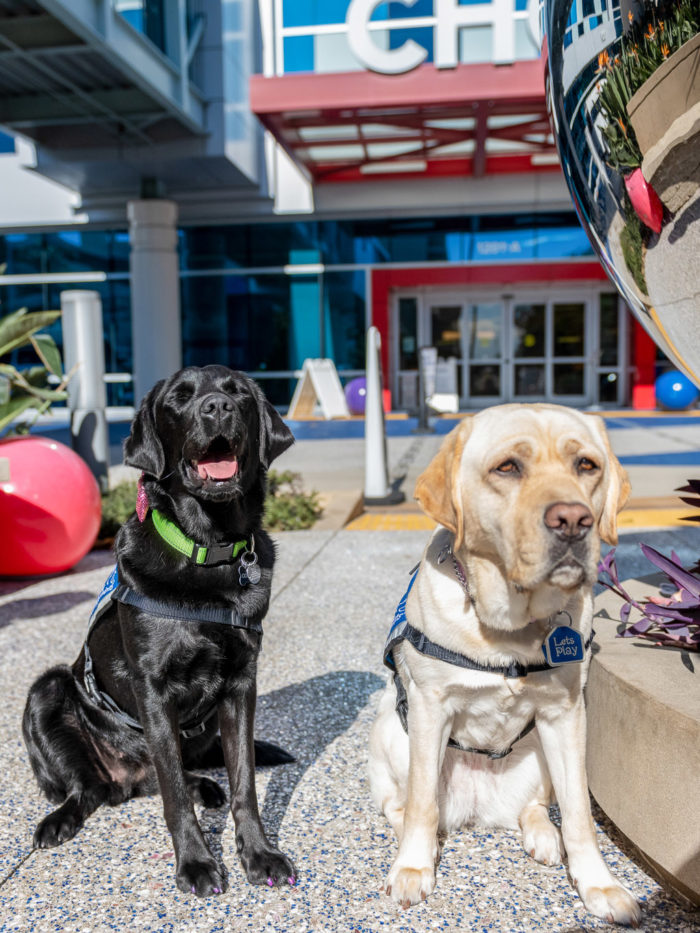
<point x="410" y="885"/>
<point x="613" y="904"/>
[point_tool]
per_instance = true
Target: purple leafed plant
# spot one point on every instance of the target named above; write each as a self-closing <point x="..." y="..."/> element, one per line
<point x="673" y="620"/>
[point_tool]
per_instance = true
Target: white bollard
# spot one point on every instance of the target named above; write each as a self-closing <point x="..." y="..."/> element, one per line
<point x="378" y="491"/>
<point x="83" y="348"/>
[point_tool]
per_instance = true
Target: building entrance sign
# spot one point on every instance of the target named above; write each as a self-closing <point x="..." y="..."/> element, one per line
<point x="449" y="18"/>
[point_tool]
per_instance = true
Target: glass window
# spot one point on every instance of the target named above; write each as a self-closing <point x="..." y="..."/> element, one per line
<point x="485" y="323"/>
<point x="476" y="44"/>
<point x="408" y="333"/>
<point x="608" y="387"/>
<point x="608" y="329"/>
<point x="445" y="330"/>
<point x="344" y="319"/>
<point x="569" y="323"/>
<point x="529" y="330"/>
<point x="568" y="379"/>
<point x="529" y="380"/>
<point x="251" y="322"/>
<point x="298" y="53"/>
<point x="484" y="381"/>
<point x="421" y="35"/>
<point x="313" y="12"/>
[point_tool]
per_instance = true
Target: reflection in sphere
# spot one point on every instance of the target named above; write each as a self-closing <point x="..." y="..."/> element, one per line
<point x="623" y="86"/>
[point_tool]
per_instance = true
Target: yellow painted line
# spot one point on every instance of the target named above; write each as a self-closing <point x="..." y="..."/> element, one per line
<point x="653" y="518"/>
<point x="385" y="521"/>
<point x="413" y="521"/>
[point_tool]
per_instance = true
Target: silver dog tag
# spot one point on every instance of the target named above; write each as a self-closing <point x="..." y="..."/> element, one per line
<point x="249" y="571"/>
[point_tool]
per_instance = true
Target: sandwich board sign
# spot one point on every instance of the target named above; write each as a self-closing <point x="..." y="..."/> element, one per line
<point x="318" y="384"/>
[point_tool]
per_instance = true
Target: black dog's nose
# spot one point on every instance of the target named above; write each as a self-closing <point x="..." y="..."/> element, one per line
<point x="215" y="405"/>
<point x="568" y="519"/>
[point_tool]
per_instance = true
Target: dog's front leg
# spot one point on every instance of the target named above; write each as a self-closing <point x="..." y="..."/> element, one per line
<point x="197" y="871"/>
<point x="412" y="876"/>
<point x="563" y="737"/>
<point x="263" y="862"/>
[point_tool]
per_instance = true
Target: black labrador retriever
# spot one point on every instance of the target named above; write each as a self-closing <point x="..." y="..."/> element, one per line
<point x="171" y="653"/>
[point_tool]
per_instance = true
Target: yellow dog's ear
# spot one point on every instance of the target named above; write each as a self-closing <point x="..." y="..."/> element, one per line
<point x="618" y="489"/>
<point x="437" y="488"/>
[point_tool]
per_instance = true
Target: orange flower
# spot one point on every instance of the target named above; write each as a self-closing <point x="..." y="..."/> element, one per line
<point x="630" y="16"/>
<point x="622" y="125"/>
<point x="603" y="60"/>
<point x="661" y="25"/>
<point x="650" y="32"/>
<point x="664" y="50"/>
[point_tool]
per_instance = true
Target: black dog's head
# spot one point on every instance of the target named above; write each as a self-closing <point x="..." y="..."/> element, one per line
<point x="211" y="428"/>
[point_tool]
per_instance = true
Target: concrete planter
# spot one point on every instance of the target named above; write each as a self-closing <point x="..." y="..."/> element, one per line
<point x="665" y="116"/>
<point x="643" y="749"/>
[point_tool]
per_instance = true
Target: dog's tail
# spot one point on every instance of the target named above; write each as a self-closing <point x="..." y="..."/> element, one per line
<point x="267" y="755"/>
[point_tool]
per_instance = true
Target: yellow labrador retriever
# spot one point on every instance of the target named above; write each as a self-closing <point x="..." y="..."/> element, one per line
<point x="484" y="721"/>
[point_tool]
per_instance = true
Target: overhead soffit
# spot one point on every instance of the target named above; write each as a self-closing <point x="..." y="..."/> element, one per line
<point x="475" y="119"/>
<point x="64" y="92"/>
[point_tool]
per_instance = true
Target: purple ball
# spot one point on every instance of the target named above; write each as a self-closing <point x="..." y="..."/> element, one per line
<point x="355" y="395"/>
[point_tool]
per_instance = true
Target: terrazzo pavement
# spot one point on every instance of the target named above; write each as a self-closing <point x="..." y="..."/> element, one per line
<point x="320" y="675"/>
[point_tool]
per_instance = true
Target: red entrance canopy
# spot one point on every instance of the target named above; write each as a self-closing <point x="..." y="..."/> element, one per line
<point x="470" y="120"/>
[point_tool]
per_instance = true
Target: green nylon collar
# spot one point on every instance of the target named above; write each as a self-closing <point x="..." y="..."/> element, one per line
<point x="176" y="538"/>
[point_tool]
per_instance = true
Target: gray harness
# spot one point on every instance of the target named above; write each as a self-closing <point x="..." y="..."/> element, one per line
<point x="401" y="630"/>
<point x="114" y="591"/>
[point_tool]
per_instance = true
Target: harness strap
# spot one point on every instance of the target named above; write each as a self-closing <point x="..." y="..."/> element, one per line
<point x="125" y="594"/>
<point x="423" y="644"/>
<point x="114" y="591"/>
<point x="402" y="712"/>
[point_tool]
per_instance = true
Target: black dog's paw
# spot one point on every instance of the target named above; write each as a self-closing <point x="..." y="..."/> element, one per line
<point x="58" y="827"/>
<point x="268" y="755"/>
<point x="201" y="877"/>
<point x="206" y="792"/>
<point x="269" y="867"/>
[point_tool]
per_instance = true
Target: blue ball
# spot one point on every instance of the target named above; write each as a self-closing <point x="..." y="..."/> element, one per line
<point x="355" y="395"/>
<point x="674" y="390"/>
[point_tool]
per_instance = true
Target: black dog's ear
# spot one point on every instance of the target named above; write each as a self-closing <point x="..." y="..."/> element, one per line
<point x="142" y="448"/>
<point x="275" y="436"/>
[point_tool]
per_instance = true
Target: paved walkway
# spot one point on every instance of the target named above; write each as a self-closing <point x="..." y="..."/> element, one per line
<point x="320" y="676"/>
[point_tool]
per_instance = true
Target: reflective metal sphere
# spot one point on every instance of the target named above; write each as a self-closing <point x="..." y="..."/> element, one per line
<point x="623" y="85"/>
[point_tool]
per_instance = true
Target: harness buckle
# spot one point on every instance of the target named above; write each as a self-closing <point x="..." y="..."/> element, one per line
<point x="194" y="731"/>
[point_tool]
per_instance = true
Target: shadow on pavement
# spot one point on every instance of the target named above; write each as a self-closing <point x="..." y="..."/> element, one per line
<point x="304" y="718"/>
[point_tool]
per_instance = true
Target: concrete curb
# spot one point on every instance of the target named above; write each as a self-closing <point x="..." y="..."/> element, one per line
<point x="644" y="743"/>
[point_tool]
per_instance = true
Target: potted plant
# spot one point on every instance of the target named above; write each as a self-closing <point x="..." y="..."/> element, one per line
<point x="651" y="82"/>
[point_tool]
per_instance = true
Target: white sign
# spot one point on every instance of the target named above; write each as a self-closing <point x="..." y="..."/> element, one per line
<point x="449" y="18"/>
<point x="318" y="385"/>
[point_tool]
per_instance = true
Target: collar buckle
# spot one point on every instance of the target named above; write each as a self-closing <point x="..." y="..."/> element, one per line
<point x="214" y="554"/>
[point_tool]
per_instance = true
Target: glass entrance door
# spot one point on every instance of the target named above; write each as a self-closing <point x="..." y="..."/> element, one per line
<point x="548" y="346"/>
<point x="524" y="347"/>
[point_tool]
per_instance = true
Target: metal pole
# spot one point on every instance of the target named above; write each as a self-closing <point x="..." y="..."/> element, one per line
<point x="83" y="349"/>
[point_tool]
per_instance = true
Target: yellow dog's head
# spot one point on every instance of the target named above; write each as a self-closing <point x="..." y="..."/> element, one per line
<point x="532" y="488"/>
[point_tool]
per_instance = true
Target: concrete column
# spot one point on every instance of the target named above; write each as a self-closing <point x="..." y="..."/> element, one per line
<point x="155" y="292"/>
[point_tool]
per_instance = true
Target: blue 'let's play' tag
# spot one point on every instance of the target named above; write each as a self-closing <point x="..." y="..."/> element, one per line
<point x="563" y="646"/>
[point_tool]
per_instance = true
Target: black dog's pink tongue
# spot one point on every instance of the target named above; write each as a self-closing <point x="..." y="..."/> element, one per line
<point x="225" y="468"/>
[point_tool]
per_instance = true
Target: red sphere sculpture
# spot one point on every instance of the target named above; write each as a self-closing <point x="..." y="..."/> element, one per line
<point x="49" y="508"/>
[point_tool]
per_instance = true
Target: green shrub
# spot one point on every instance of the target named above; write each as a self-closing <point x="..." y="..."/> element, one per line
<point x="287" y="507"/>
<point x="117" y="506"/>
